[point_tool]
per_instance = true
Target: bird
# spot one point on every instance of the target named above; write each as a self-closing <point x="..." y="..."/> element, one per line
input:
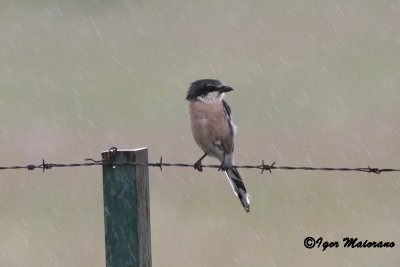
<point x="214" y="131"/>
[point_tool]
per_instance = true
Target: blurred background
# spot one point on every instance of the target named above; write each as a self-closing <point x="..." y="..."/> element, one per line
<point x="316" y="83"/>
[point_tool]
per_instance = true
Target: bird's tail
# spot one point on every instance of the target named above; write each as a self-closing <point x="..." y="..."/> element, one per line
<point x="238" y="187"/>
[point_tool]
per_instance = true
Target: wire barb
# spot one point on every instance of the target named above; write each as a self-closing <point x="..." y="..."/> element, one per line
<point x="45" y="166"/>
<point x="264" y="167"/>
<point x="374" y="170"/>
<point x="160" y="164"/>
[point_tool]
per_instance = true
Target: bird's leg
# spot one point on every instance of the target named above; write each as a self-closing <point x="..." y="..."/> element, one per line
<point x="197" y="164"/>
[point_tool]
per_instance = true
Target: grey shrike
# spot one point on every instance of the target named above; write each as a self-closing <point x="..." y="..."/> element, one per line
<point x="213" y="130"/>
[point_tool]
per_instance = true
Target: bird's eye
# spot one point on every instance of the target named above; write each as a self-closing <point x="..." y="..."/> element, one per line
<point x="210" y="87"/>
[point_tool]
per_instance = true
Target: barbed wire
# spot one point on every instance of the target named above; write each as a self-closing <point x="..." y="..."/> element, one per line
<point x="113" y="151"/>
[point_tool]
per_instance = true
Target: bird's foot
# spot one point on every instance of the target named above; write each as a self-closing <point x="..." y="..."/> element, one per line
<point x="197" y="166"/>
<point x="222" y="167"/>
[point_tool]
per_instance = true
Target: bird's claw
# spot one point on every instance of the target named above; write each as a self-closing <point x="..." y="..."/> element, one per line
<point x="197" y="166"/>
<point x="222" y="167"/>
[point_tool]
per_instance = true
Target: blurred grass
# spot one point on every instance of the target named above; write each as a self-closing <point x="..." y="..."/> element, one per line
<point x="315" y="84"/>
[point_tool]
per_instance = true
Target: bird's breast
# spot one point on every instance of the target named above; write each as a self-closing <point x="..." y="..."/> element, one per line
<point x="209" y="122"/>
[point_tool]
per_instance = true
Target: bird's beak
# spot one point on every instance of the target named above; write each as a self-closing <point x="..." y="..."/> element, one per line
<point x="224" y="89"/>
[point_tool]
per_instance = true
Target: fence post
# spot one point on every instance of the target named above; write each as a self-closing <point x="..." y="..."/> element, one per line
<point x="127" y="210"/>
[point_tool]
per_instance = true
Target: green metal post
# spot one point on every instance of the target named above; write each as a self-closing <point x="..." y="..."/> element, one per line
<point x="127" y="210"/>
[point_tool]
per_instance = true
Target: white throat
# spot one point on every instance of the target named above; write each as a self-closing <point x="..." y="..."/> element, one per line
<point x="211" y="97"/>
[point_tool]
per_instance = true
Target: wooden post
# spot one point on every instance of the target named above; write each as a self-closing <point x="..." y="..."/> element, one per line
<point x="127" y="210"/>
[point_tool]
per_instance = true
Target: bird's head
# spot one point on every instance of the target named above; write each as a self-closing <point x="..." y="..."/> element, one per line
<point x="206" y="88"/>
